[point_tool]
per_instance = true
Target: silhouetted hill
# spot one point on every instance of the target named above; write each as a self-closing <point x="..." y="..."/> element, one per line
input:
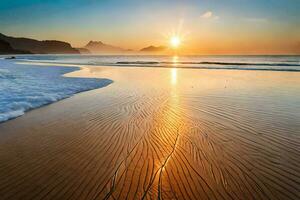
<point x="153" y="49"/>
<point x="5" y="48"/>
<point x="39" y="47"/>
<point x="100" y="47"/>
<point x="83" y="51"/>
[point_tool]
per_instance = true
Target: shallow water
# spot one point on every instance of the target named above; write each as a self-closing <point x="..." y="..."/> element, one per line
<point x="25" y="87"/>
<point x="160" y="133"/>
<point x="266" y="63"/>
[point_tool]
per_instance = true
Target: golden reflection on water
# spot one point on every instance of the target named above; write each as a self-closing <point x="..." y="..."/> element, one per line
<point x="174" y="70"/>
<point x="173" y="76"/>
<point x="175" y="60"/>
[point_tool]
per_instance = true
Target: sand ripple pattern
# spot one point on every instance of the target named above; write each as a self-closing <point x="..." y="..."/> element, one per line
<point x="132" y="145"/>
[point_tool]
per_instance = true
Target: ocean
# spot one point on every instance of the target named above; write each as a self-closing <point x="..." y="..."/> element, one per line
<point x="25" y="86"/>
<point x="271" y="63"/>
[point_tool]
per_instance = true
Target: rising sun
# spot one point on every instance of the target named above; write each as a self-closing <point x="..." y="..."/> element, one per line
<point x="175" y="41"/>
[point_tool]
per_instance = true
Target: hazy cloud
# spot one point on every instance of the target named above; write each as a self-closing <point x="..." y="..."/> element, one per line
<point x="209" y="15"/>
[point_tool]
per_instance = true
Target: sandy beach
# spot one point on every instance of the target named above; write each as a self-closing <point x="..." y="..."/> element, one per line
<point x="138" y="100"/>
<point x="158" y="133"/>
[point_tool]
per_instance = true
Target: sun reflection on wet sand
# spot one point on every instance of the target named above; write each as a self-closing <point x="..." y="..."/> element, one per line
<point x="173" y="76"/>
<point x="174" y="70"/>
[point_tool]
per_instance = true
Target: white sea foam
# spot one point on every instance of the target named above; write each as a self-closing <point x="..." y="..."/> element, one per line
<point x="11" y="114"/>
<point x="25" y="87"/>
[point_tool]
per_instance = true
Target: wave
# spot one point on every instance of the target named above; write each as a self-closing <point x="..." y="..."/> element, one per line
<point x="209" y="63"/>
<point x="24" y="88"/>
<point x="245" y="63"/>
<point x="11" y="114"/>
<point x="214" y="65"/>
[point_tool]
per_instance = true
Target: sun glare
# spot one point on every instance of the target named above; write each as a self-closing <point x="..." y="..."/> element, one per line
<point x="175" y="41"/>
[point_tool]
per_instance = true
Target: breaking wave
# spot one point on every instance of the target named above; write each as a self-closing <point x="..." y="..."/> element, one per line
<point x="25" y="87"/>
<point x="215" y="65"/>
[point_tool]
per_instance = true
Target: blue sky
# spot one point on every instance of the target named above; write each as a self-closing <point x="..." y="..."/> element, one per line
<point x="135" y="24"/>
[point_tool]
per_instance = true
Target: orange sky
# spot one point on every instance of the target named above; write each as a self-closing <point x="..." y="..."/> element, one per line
<point x="206" y="27"/>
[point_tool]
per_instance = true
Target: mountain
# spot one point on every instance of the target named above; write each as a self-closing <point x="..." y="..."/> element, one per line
<point x="153" y="49"/>
<point x="39" y="47"/>
<point x="83" y="51"/>
<point x="5" y="48"/>
<point x="100" y="47"/>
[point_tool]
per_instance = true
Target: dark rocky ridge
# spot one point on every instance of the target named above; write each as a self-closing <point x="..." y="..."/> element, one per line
<point x="39" y="47"/>
<point x="5" y="48"/>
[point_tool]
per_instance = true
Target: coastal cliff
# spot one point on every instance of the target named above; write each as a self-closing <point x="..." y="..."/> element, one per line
<point x="39" y="47"/>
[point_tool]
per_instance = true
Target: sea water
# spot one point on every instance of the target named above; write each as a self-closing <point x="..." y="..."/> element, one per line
<point x="25" y="87"/>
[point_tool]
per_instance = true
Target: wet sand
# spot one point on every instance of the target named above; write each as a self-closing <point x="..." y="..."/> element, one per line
<point x="160" y="134"/>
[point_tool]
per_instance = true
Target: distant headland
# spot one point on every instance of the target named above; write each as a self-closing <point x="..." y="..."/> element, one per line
<point x="21" y="45"/>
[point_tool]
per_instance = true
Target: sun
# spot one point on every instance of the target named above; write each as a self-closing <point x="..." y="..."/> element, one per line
<point x="175" y="41"/>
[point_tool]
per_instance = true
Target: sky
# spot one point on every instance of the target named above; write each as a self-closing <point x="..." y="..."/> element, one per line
<point x="205" y="26"/>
